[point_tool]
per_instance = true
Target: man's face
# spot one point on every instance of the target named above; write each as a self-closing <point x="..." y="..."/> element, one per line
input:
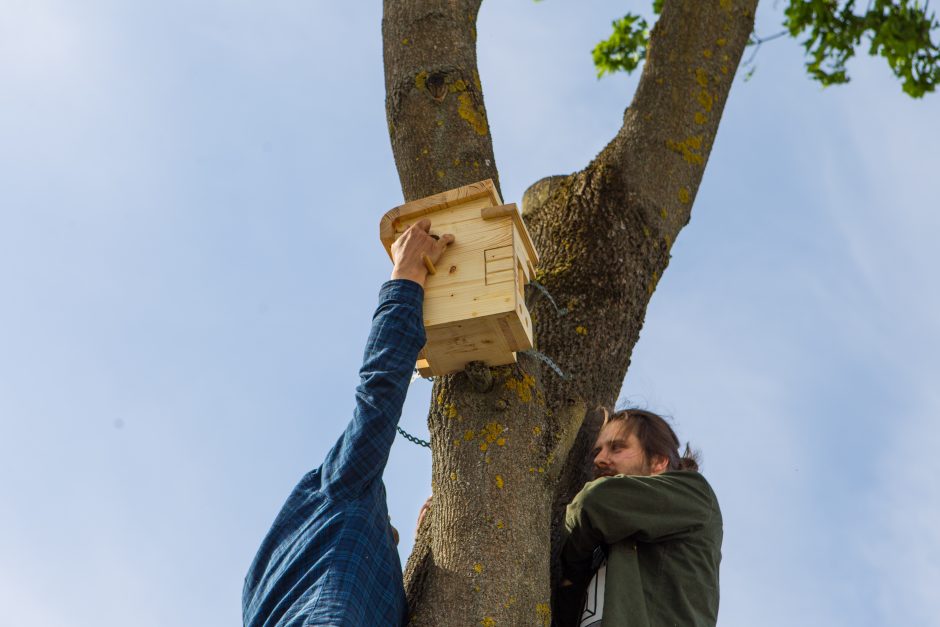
<point x="619" y="453"/>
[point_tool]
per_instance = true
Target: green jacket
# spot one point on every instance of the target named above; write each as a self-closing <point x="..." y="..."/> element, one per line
<point x="662" y="535"/>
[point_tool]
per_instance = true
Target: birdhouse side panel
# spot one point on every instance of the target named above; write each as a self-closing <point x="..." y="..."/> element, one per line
<point x="522" y="252"/>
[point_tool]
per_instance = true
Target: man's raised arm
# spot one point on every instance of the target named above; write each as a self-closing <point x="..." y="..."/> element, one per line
<point x="361" y="453"/>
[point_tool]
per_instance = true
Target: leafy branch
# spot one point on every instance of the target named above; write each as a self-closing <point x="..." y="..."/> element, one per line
<point x="625" y="48"/>
<point x="900" y="31"/>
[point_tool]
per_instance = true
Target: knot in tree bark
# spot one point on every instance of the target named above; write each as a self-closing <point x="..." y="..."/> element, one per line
<point x="480" y="376"/>
<point x="436" y="85"/>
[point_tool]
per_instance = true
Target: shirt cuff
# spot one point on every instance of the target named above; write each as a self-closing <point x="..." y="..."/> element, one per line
<point x="402" y="291"/>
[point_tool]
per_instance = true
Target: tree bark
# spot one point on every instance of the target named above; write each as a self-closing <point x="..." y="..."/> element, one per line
<point x="509" y="450"/>
<point x="433" y="97"/>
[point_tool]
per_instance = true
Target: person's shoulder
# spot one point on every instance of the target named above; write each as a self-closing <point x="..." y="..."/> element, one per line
<point x="690" y="477"/>
<point x="695" y="481"/>
<point x="682" y="479"/>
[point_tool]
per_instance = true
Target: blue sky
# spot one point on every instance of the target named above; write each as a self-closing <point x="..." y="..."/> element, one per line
<point x="189" y="259"/>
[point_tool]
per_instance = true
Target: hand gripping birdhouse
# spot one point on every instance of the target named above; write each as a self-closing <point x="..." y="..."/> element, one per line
<point x="474" y="302"/>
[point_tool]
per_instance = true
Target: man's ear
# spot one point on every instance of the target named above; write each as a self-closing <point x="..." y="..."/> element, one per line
<point x="660" y="465"/>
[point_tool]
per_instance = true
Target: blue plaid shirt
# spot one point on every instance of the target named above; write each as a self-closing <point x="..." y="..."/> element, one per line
<point x="329" y="558"/>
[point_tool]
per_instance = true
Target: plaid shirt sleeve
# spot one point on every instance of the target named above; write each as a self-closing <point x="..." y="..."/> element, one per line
<point x="359" y="456"/>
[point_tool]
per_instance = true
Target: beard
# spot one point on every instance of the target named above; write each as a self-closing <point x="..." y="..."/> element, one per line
<point x="642" y="469"/>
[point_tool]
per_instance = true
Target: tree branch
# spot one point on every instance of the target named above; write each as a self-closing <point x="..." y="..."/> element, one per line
<point x="434" y="98"/>
<point x="604" y="233"/>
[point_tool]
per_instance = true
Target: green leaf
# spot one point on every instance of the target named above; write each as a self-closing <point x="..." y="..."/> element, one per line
<point x="899" y="31"/>
<point x="625" y="49"/>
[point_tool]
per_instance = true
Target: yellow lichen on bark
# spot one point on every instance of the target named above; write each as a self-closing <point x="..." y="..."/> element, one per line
<point x="543" y="614"/>
<point x="689" y="149"/>
<point x="701" y="77"/>
<point x="522" y="387"/>
<point x="471" y="114"/>
<point x="491" y="431"/>
<point x="705" y="99"/>
<point x="652" y="285"/>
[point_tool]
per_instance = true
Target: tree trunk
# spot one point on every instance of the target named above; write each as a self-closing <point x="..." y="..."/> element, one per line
<point x="509" y="444"/>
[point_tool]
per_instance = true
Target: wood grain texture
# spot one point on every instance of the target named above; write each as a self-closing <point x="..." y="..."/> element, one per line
<point x="396" y="220"/>
<point x="474" y="307"/>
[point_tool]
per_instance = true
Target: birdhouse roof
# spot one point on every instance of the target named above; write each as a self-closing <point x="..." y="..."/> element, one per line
<point x="389" y="227"/>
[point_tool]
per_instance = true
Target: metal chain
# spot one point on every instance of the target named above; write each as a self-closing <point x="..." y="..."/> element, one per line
<point x="413" y="439"/>
<point x="548" y="361"/>
<point x="558" y="310"/>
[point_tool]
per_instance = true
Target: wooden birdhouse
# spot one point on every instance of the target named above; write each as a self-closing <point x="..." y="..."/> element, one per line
<point x="474" y="303"/>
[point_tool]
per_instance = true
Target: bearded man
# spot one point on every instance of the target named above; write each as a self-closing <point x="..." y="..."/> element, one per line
<point x="644" y="537"/>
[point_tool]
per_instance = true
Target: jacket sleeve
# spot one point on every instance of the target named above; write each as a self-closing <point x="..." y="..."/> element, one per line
<point x="359" y="456"/>
<point x="647" y="509"/>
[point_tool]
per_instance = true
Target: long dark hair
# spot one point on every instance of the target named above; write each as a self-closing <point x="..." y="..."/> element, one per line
<point x="655" y="436"/>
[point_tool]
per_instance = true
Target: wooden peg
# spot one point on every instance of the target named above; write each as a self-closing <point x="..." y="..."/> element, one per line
<point x="489" y="213"/>
<point x="428" y="264"/>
